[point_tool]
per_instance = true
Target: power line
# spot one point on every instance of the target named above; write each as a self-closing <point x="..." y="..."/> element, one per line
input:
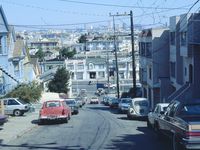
<point x="126" y="6"/>
<point x="51" y="10"/>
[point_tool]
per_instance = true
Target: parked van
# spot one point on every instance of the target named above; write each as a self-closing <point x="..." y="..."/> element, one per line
<point x="139" y="107"/>
<point x="15" y="106"/>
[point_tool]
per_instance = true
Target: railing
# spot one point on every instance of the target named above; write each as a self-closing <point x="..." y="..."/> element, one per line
<point x="9" y="75"/>
<point x="179" y="92"/>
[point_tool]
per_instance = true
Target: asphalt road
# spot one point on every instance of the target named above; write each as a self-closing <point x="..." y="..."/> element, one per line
<point x="96" y="127"/>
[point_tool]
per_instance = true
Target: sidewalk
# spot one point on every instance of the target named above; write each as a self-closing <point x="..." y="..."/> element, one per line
<point x="17" y="126"/>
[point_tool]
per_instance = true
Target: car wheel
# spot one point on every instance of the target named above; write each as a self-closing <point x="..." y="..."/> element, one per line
<point x="66" y="119"/>
<point x="17" y="112"/>
<point x="148" y="124"/>
<point x="158" y="132"/>
<point x="176" y="144"/>
<point x="41" y="122"/>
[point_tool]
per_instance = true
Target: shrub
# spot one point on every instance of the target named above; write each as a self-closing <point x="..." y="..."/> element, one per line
<point x="27" y="92"/>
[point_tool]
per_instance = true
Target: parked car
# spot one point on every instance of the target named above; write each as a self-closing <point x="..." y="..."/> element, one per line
<point x="114" y="102"/>
<point x="79" y="101"/>
<point x="106" y="100"/>
<point x="3" y="119"/>
<point x="139" y="107"/>
<point x="156" y="113"/>
<point x="73" y="105"/>
<point x="94" y="100"/>
<point x="181" y="124"/>
<point x="124" y="104"/>
<point x="15" y="106"/>
<point x="54" y="110"/>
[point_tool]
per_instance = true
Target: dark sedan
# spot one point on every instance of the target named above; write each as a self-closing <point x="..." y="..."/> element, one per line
<point x="73" y="105"/>
<point x="181" y="123"/>
<point x="114" y="102"/>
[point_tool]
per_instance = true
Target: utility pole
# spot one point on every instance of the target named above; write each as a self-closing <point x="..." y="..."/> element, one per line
<point x="133" y="54"/>
<point x="132" y="50"/>
<point x="116" y="60"/>
<point x="108" y="71"/>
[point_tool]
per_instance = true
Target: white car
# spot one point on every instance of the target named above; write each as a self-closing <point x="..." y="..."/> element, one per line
<point x="124" y="105"/>
<point x="94" y="100"/>
<point x="139" y="108"/>
<point x="15" y="106"/>
<point x="154" y="115"/>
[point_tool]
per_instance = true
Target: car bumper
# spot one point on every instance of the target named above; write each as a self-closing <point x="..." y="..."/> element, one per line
<point x="192" y="143"/>
<point x="94" y="102"/>
<point x="134" y="115"/>
<point x="53" y="117"/>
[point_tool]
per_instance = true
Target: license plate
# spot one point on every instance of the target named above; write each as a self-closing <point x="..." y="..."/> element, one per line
<point x="52" y="117"/>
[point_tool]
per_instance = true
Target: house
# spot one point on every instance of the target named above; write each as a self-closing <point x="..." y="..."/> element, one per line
<point x="154" y="63"/>
<point x="8" y="80"/>
<point x="44" y="44"/>
<point x="14" y="68"/>
<point x="184" y="57"/>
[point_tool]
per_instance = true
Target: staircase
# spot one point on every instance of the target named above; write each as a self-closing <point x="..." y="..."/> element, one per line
<point x="179" y="92"/>
<point x="9" y="75"/>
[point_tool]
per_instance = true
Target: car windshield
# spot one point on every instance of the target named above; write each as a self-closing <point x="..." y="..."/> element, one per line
<point x="70" y="102"/>
<point x="128" y="101"/>
<point x="141" y="103"/>
<point x="53" y="104"/>
<point x="21" y="101"/>
<point x="190" y="109"/>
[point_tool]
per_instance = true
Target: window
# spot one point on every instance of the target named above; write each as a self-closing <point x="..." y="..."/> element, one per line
<point x="101" y="74"/>
<point x="91" y="66"/>
<point x="53" y="104"/>
<point x="80" y="66"/>
<point x="150" y="73"/>
<point x="142" y="48"/>
<point x="183" y="38"/>
<point x="185" y="71"/>
<point x="101" y="66"/>
<point x="122" y="65"/>
<point x="13" y="102"/>
<point x="70" y="67"/>
<point x="1" y="50"/>
<point x="190" y="110"/>
<point x="79" y="75"/>
<point x="173" y="109"/>
<point x="149" y="49"/>
<point x="49" y="67"/>
<point x="121" y="75"/>
<point x="172" y="38"/>
<point x="172" y="69"/>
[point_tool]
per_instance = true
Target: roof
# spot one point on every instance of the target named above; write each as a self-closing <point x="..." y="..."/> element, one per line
<point x="3" y="28"/>
<point x="96" y="60"/>
<point x="18" y="48"/>
<point x="139" y="98"/>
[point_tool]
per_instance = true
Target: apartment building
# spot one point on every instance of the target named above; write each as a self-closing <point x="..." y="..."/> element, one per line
<point x="184" y="56"/>
<point x="154" y="63"/>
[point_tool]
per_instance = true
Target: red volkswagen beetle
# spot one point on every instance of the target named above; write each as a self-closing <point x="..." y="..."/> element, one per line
<point x="54" y="110"/>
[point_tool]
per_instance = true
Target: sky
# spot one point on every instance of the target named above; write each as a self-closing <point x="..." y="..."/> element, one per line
<point x="71" y="14"/>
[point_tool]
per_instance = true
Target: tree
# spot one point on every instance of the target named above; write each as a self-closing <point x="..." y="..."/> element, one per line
<point x="28" y="92"/>
<point x="67" y="53"/>
<point x="40" y="54"/>
<point x="82" y="39"/>
<point x="60" y="82"/>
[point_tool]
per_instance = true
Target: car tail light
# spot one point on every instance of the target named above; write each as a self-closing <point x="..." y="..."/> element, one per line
<point x="192" y="134"/>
